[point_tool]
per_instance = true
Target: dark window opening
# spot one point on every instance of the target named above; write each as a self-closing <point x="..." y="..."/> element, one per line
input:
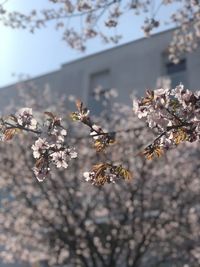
<point x="177" y="73"/>
<point x="99" y="82"/>
<point x="174" y="68"/>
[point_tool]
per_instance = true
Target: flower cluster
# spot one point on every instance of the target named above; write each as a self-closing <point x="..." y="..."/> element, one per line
<point x="102" y="139"/>
<point x="174" y="113"/>
<point x="82" y="114"/>
<point x="106" y="173"/>
<point x="187" y="34"/>
<point x="22" y="120"/>
<point x="102" y="172"/>
<point x="25" y="118"/>
<point x="51" y="148"/>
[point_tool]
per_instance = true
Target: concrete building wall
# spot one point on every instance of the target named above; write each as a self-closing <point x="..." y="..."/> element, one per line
<point x="133" y="66"/>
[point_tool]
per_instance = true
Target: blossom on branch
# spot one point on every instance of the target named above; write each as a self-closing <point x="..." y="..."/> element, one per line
<point x="25" y="118"/>
<point x="49" y="147"/>
<point x="39" y="148"/>
<point x="173" y="113"/>
<point x="59" y="159"/>
<point x="106" y="173"/>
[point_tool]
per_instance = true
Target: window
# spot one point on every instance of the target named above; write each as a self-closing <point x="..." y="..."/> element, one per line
<point x="99" y="83"/>
<point x="174" y="68"/>
<point x="177" y="73"/>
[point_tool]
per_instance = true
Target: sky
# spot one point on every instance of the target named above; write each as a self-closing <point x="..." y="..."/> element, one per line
<point x="23" y="54"/>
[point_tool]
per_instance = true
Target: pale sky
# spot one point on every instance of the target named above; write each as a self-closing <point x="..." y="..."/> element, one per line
<point x="35" y="54"/>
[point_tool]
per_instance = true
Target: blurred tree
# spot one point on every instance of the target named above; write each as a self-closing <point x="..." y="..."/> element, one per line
<point x="152" y="220"/>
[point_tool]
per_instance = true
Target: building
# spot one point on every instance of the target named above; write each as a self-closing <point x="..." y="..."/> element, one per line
<point x="135" y="66"/>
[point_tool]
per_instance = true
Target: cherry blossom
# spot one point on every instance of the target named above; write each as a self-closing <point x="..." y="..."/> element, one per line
<point x="25" y="118"/>
<point x="49" y="148"/>
<point x="173" y="113"/>
<point x="59" y="158"/>
<point x="40" y="148"/>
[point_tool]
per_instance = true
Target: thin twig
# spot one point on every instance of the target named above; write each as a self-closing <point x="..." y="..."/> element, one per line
<point x="11" y="126"/>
